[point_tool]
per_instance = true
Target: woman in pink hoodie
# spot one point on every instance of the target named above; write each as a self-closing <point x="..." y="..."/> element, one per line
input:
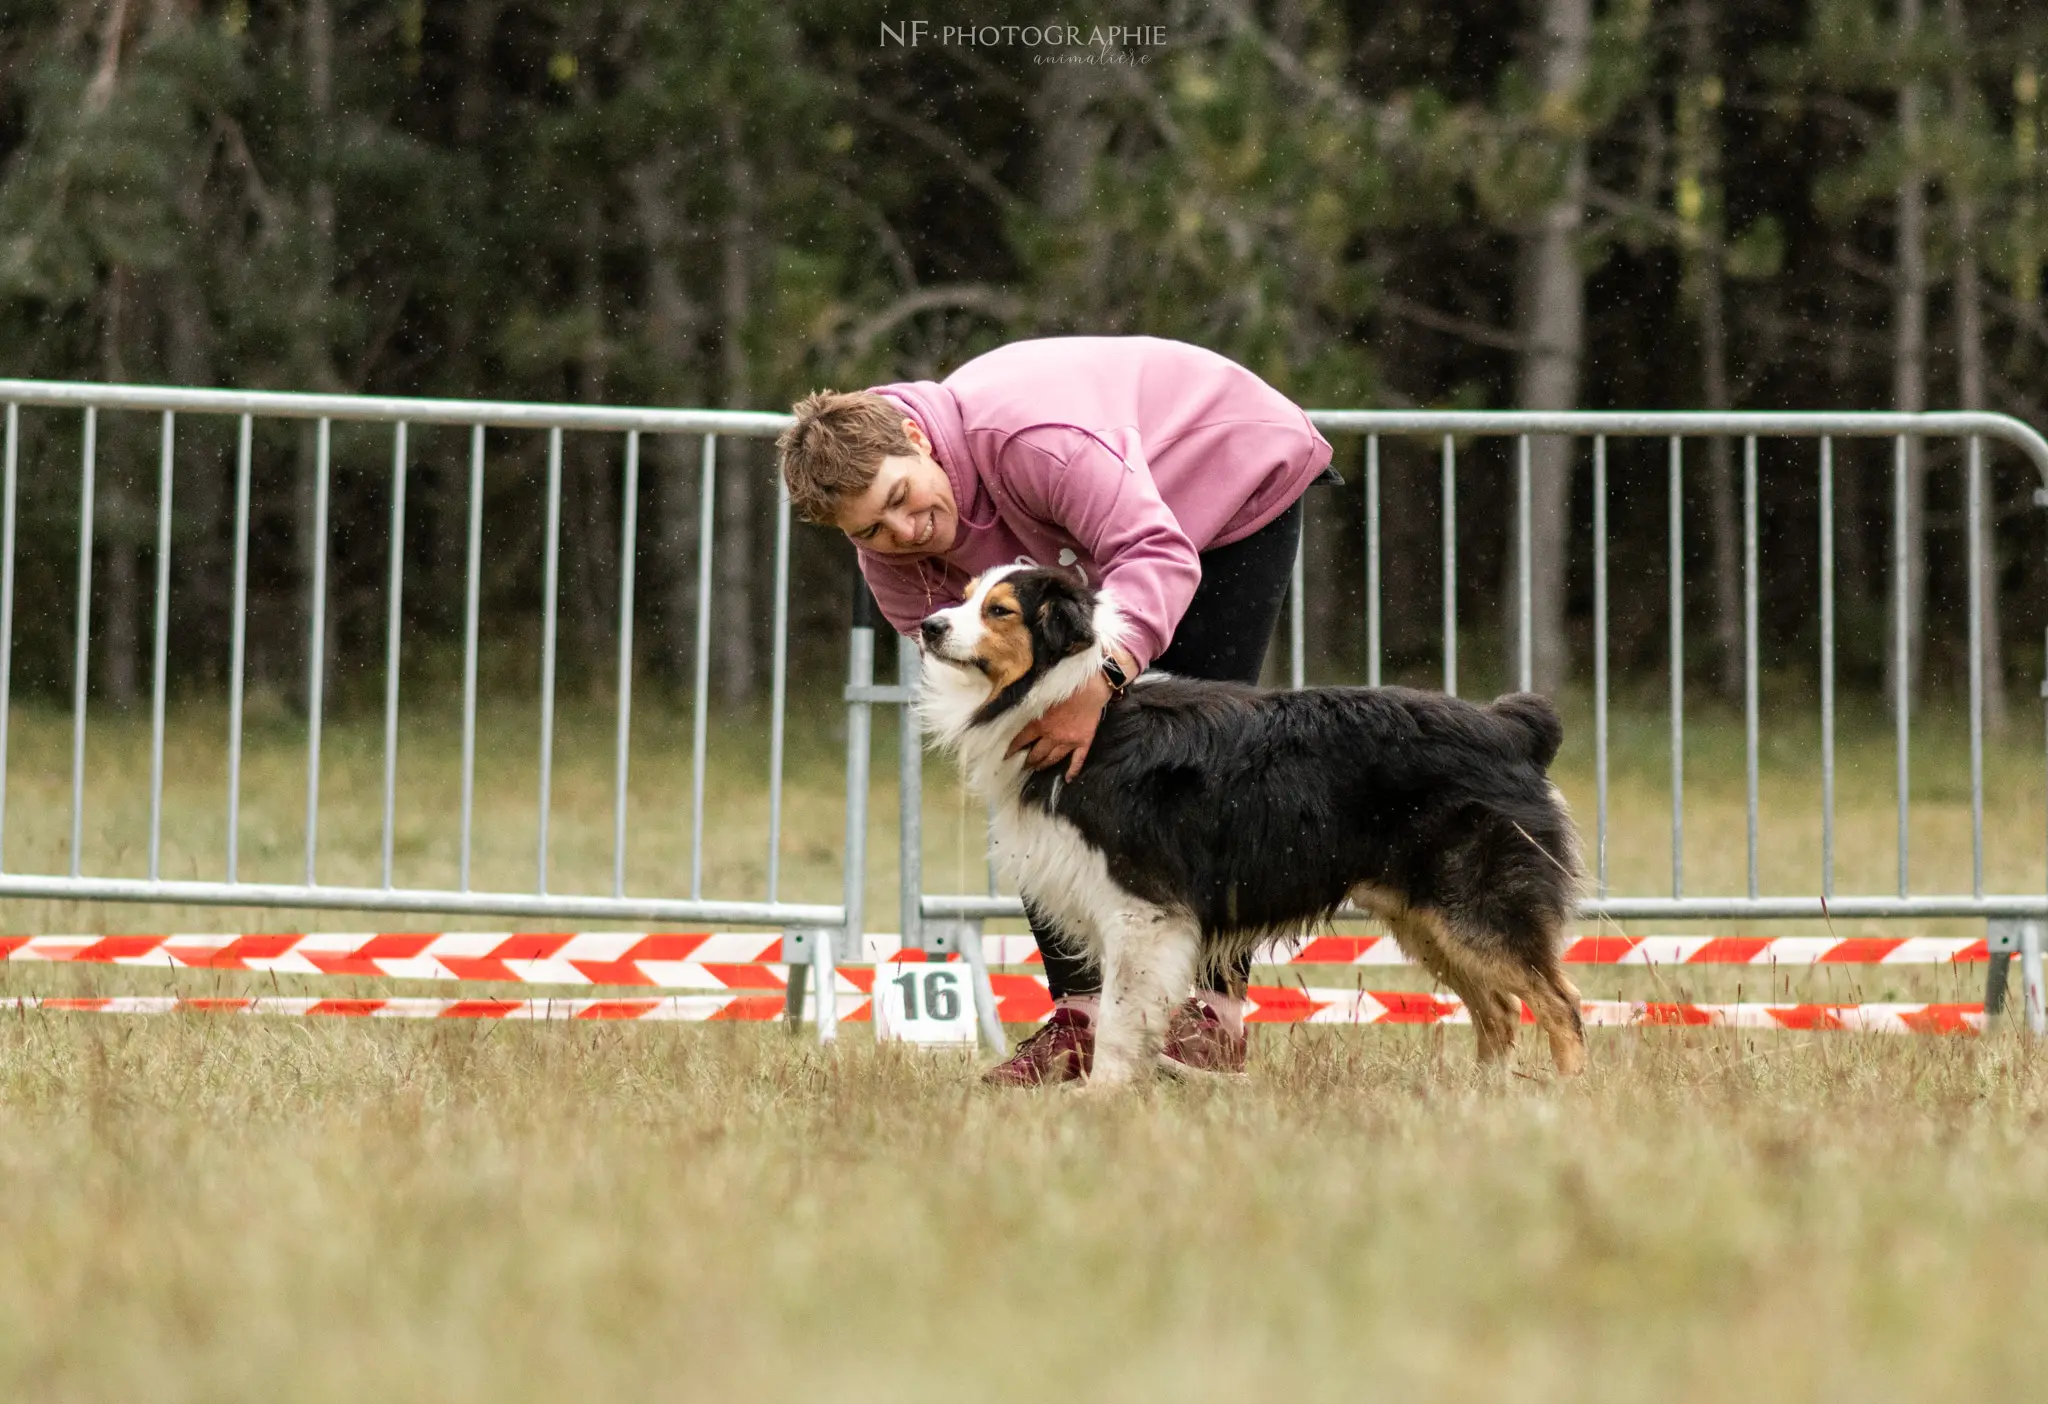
<point x="1163" y="470"/>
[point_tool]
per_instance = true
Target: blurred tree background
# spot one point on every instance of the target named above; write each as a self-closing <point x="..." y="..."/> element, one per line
<point x="1545" y="203"/>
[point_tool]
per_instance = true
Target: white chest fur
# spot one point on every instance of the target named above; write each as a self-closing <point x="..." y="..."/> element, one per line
<point x="1059" y="872"/>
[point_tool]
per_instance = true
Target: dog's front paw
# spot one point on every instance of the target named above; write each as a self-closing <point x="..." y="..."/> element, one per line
<point x="1108" y="1077"/>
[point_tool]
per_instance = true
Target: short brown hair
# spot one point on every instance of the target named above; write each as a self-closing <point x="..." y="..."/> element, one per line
<point x="835" y="448"/>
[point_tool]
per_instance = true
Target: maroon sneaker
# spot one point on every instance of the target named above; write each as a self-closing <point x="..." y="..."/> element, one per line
<point x="1062" y="1050"/>
<point x="1198" y="1042"/>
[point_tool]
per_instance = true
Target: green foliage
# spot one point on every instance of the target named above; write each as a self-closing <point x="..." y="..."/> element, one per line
<point x="732" y="202"/>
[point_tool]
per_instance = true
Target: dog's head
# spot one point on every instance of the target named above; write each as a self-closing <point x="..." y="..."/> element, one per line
<point x="1024" y="638"/>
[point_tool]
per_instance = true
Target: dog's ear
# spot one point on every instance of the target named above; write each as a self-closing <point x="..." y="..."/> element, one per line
<point x="1065" y="618"/>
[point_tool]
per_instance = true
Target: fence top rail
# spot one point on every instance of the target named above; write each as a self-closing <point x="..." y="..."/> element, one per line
<point x="390" y="409"/>
<point x="511" y="414"/>
<point x="424" y="901"/>
<point x="1845" y="424"/>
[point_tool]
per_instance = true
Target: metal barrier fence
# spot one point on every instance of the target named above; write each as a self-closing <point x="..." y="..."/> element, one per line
<point x="325" y="411"/>
<point x="943" y="922"/>
<point x="2017" y="919"/>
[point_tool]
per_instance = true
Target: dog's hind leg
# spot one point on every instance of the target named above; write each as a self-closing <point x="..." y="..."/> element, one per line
<point x="1148" y="960"/>
<point x="1494" y="1015"/>
<point x="1554" y="1000"/>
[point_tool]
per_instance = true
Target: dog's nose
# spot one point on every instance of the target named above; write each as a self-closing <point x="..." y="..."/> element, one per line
<point x="933" y="629"/>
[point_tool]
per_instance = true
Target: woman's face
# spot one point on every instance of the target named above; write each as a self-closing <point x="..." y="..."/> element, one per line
<point x="908" y="509"/>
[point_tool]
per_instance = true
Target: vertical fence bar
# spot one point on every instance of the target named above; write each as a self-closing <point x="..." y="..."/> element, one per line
<point x="778" y="694"/>
<point x="909" y="800"/>
<point x="700" y="716"/>
<point x="1976" y="553"/>
<point x="13" y="452"/>
<point x="394" y="608"/>
<point x="471" y="591"/>
<point x="1372" y="560"/>
<point x="1827" y="668"/>
<point x="629" y="531"/>
<point x="1600" y="661"/>
<point x="80" y="654"/>
<point x="316" y="669"/>
<point x="1297" y="665"/>
<point x="1450" y="566"/>
<point x="860" y="675"/>
<point x="1525" y="642"/>
<point x="1676" y="548"/>
<point x="550" y="607"/>
<point x="1901" y="655"/>
<point x="161" y="644"/>
<point x="1749" y="647"/>
<point x="238" y="632"/>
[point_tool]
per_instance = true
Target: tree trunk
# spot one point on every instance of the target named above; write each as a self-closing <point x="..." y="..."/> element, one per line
<point x="1909" y="357"/>
<point x="1071" y="137"/>
<point x="1969" y="334"/>
<point x="738" y="619"/>
<point x="590" y="489"/>
<point x="674" y="321"/>
<point x="314" y="353"/>
<point x="1700" y="209"/>
<point x="1552" y="298"/>
<point x="199" y="562"/>
<point x="444" y="486"/>
<point x="472" y="90"/>
<point x="121" y="602"/>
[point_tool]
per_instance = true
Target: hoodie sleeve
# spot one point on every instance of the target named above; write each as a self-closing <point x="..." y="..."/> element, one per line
<point x="1103" y="499"/>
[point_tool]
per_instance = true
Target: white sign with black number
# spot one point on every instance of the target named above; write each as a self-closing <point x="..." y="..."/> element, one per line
<point x="924" y="1003"/>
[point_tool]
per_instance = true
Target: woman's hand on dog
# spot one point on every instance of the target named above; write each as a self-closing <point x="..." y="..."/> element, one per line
<point x="1067" y="729"/>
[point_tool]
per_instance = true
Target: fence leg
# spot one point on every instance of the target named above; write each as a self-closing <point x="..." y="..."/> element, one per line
<point x="963" y="937"/>
<point x="984" y="989"/>
<point x="910" y="796"/>
<point x="2030" y="977"/>
<point x="811" y="954"/>
<point x="2023" y="937"/>
<point x="826" y="977"/>
<point x="2001" y="940"/>
<point x="799" y="978"/>
<point x="860" y="682"/>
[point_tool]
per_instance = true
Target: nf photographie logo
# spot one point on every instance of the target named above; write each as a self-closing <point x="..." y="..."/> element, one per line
<point x="1056" y="42"/>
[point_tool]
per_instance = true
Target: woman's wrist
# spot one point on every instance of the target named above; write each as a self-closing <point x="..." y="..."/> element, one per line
<point x="1118" y="671"/>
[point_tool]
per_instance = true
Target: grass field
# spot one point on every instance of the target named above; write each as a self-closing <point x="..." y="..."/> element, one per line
<point x="207" y="1208"/>
<point x="210" y="1209"/>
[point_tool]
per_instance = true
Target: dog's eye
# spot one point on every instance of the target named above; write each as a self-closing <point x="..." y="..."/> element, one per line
<point x="1000" y="611"/>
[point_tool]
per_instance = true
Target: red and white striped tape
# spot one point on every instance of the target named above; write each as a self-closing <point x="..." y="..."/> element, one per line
<point x="1683" y="950"/>
<point x="738" y="960"/>
<point x="1022" y="999"/>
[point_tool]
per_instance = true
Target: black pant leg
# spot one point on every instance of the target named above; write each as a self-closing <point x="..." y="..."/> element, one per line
<point x="1223" y="638"/>
<point x="1229" y="623"/>
<point x="1067" y="971"/>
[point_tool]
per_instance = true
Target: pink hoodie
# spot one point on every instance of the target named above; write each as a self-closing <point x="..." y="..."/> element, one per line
<point x="1122" y="456"/>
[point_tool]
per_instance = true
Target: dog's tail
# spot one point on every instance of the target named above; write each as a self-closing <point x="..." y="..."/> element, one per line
<point x="1536" y="720"/>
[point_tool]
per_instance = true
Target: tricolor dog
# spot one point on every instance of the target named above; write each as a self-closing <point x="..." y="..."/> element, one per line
<point x="1211" y="817"/>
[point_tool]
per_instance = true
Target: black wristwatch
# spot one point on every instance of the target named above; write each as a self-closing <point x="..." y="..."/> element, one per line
<point x="1114" y="672"/>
